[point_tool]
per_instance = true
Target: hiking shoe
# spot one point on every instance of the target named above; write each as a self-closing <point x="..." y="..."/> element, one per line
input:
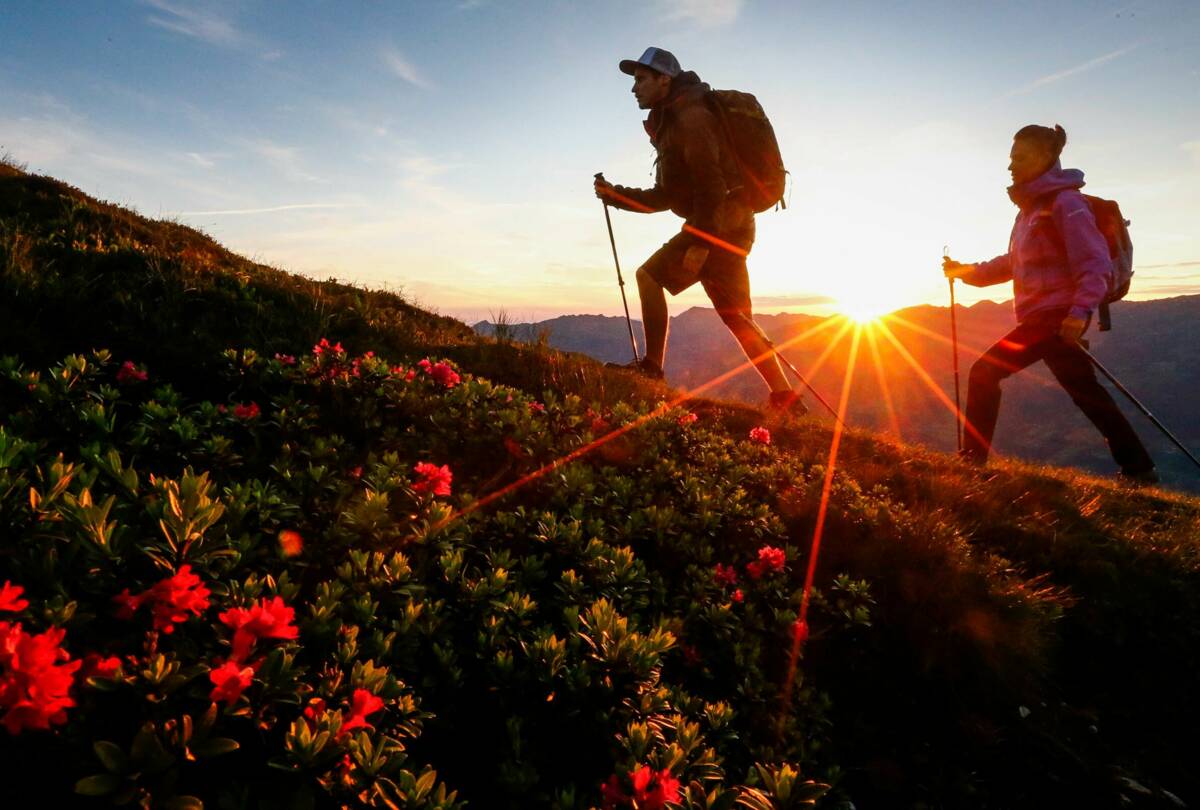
<point x="645" y="367"/>
<point x="787" y="402"/>
<point x="1138" y="478"/>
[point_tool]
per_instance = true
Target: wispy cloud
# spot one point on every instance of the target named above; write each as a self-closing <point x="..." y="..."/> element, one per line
<point x="1091" y="64"/>
<point x="193" y="22"/>
<point x="704" y="13"/>
<point x="286" y="159"/>
<point x="399" y="65"/>
<point x="270" y="210"/>
<point x="791" y="300"/>
<point x="1165" y="266"/>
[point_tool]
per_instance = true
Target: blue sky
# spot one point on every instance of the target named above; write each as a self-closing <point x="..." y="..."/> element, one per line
<point x="446" y="149"/>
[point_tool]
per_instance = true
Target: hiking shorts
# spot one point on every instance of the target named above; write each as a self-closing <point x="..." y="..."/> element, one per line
<point x="724" y="275"/>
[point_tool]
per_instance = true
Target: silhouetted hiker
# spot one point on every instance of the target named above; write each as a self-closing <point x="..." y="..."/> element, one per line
<point x="697" y="178"/>
<point x="1059" y="264"/>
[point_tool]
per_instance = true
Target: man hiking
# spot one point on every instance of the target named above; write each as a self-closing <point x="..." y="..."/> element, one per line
<point x="1060" y="266"/>
<point x="697" y="177"/>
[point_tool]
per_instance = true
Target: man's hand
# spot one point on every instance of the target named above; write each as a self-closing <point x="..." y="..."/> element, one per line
<point x="953" y="269"/>
<point x="604" y="189"/>
<point x="1071" y="329"/>
<point x="694" y="259"/>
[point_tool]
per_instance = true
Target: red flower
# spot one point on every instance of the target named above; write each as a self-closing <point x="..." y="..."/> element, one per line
<point x="434" y="479"/>
<point x="229" y="681"/>
<point x="770" y="561"/>
<point x="171" y="600"/>
<point x="34" y="685"/>
<point x="250" y="411"/>
<point x="265" y="620"/>
<point x="738" y="596"/>
<point x="444" y="374"/>
<point x="725" y="574"/>
<point x="128" y="373"/>
<point x="362" y="704"/>
<point x="761" y="435"/>
<point x="652" y="790"/>
<point x="687" y="419"/>
<point x="94" y="666"/>
<point x="285" y="359"/>
<point x="10" y="597"/>
<point x="290" y="542"/>
<point x="537" y="407"/>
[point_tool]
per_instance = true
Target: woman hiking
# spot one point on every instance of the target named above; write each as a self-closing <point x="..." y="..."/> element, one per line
<point x="1059" y="264"/>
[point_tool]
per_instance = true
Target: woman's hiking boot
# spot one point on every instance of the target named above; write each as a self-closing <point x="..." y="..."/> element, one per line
<point x="786" y="403"/>
<point x="646" y="367"/>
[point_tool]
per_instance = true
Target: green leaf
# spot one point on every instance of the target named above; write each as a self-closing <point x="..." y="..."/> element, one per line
<point x="100" y="784"/>
<point x="184" y="803"/>
<point x="215" y="746"/>
<point x="111" y="755"/>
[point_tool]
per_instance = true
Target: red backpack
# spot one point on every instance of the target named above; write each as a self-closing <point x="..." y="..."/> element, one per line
<point x="754" y="147"/>
<point x="1115" y="229"/>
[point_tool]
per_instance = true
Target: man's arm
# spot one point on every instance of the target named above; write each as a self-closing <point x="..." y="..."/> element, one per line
<point x="639" y="200"/>
<point x="702" y="139"/>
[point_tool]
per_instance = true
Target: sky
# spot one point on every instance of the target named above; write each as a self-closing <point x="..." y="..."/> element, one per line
<point x="446" y="150"/>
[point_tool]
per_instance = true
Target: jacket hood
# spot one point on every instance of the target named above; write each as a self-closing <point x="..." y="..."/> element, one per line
<point x="1054" y="180"/>
<point x="685" y="87"/>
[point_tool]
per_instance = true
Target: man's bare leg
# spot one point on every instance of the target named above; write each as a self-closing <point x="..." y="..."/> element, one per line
<point x="760" y="352"/>
<point x="655" y="320"/>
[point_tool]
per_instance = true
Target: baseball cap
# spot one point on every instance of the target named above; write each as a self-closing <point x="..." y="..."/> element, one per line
<point x="655" y="59"/>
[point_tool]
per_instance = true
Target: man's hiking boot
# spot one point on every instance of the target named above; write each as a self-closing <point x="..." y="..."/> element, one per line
<point x="647" y="368"/>
<point x="1138" y="478"/>
<point x="786" y="402"/>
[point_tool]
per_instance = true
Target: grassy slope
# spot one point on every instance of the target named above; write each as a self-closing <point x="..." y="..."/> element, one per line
<point x="1031" y="587"/>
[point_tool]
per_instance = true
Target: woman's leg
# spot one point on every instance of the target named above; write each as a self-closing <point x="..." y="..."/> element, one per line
<point x="1073" y="370"/>
<point x="1018" y="349"/>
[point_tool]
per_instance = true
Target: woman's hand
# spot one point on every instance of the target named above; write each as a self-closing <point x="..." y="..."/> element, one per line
<point x="604" y="189"/>
<point x="1071" y="329"/>
<point x="953" y="269"/>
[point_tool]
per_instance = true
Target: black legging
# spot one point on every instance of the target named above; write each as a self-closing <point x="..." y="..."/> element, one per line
<point x="1036" y="338"/>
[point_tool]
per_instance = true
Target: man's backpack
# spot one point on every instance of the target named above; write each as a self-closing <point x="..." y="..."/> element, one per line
<point x="754" y="148"/>
<point x="1115" y="228"/>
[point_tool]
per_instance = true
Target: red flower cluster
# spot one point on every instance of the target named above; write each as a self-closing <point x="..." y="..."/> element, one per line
<point x="229" y="681"/>
<point x="687" y="419"/>
<point x="35" y="681"/>
<point x="10" y="597"/>
<point x="761" y="435"/>
<point x="324" y="347"/>
<point x="725" y="575"/>
<point x="537" y="407"/>
<point x="285" y="359"/>
<point x="129" y="373"/>
<point x="271" y="619"/>
<point x="651" y="790"/>
<point x="770" y="561"/>
<point x="362" y="704"/>
<point x="433" y="479"/>
<point x="441" y="372"/>
<point x="247" y="411"/>
<point x="170" y="600"/>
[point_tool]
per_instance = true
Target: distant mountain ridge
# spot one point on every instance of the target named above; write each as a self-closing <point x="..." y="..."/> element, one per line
<point x="1150" y="349"/>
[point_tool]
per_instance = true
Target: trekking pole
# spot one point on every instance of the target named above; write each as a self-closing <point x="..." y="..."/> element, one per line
<point x="1139" y="405"/>
<point x="620" y="280"/>
<point x="758" y="329"/>
<point x="954" y="348"/>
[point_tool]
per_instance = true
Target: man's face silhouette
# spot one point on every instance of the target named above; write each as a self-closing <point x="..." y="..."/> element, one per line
<point x="650" y="87"/>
